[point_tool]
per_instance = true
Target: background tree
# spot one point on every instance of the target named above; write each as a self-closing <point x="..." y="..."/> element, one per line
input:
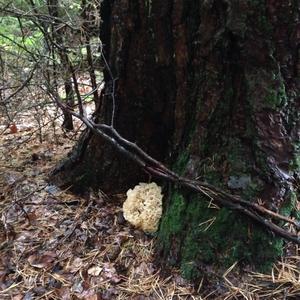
<point x="46" y="43"/>
<point x="210" y="88"/>
<point x="57" y="36"/>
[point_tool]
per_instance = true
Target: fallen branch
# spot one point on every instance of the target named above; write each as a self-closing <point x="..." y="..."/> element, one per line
<point x="253" y="210"/>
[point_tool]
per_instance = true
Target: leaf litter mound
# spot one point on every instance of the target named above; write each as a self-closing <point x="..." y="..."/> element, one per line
<point x="56" y="245"/>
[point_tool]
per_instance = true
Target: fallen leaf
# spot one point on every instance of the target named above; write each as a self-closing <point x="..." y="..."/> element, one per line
<point x="13" y="128"/>
<point x="84" y="225"/>
<point x="109" y="272"/>
<point x="94" y="271"/>
<point x="17" y="297"/>
<point x="75" y="265"/>
<point x="32" y="218"/>
<point x="43" y="261"/>
<point x="109" y="294"/>
<point x="93" y="297"/>
<point x="77" y="286"/>
<point x="145" y="269"/>
<point x="52" y="189"/>
<point x="63" y="293"/>
<point x="28" y="296"/>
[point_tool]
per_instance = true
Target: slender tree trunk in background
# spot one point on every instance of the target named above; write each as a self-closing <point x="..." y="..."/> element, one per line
<point x="212" y="89"/>
<point x="57" y="36"/>
<point x="86" y="8"/>
<point x="68" y="119"/>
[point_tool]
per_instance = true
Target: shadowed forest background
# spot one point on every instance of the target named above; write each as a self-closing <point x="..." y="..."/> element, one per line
<point x="200" y="97"/>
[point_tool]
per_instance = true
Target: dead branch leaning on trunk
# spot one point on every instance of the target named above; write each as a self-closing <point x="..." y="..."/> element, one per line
<point x="255" y="211"/>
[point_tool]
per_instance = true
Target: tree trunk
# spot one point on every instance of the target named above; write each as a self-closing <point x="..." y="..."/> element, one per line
<point x="210" y="88"/>
<point x="57" y="35"/>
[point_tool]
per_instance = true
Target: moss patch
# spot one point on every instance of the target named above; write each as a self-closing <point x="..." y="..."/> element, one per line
<point x="218" y="237"/>
<point x="295" y="163"/>
<point x="171" y="222"/>
<point x="276" y="96"/>
<point x="181" y="162"/>
<point x="222" y="237"/>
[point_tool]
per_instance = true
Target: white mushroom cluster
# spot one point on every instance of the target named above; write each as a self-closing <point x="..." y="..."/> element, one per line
<point x="143" y="206"/>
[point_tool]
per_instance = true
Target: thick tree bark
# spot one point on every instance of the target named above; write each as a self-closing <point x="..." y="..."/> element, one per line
<point x="212" y="89"/>
<point x="145" y="93"/>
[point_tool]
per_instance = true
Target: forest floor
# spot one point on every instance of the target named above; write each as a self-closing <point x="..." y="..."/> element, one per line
<point x="56" y="245"/>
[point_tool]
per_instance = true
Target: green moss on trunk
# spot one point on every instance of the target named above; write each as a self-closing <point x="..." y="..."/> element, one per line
<point x="214" y="236"/>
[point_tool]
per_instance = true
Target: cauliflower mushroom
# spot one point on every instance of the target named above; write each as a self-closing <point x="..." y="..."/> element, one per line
<point x="143" y="206"/>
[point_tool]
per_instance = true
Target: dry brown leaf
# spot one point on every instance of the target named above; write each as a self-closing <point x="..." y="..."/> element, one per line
<point x="145" y="269"/>
<point x="13" y="128"/>
<point x="17" y="297"/>
<point x="75" y="265"/>
<point x="43" y="261"/>
<point x="93" y="297"/>
<point x="32" y="218"/>
<point x="63" y="293"/>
